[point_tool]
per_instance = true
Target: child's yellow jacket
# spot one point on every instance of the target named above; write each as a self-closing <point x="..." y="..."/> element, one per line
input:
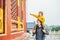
<point x="39" y="17"/>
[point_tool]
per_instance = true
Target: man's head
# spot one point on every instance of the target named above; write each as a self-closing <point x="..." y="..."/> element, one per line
<point x="39" y="22"/>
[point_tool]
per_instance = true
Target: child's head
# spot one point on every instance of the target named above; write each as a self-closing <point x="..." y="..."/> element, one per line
<point x="40" y="13"/>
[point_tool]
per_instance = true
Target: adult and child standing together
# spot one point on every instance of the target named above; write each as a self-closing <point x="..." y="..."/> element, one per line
<point x="39" y="28"/>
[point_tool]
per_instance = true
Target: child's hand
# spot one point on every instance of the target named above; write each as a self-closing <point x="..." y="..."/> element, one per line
<point x="30" y="14"/>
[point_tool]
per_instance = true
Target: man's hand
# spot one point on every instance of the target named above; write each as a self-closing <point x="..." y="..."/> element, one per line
<point x="44" y="30"/>
<point x="33" y="31"/>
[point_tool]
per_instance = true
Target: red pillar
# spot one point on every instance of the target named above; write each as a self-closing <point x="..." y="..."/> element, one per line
<point x="7" y="19"/>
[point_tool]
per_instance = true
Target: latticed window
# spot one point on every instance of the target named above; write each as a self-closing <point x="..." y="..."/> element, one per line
<point x="14" y="12"/>
<point x="14" y="15"/>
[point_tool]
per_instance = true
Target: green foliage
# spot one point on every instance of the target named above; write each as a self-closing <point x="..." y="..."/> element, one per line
<point x="55" y="28"/>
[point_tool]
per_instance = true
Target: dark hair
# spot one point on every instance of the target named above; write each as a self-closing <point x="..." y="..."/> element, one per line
<point x="41" y="23"/>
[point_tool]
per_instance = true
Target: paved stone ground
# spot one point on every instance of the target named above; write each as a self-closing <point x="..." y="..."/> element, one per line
<point x="28" y="36"/>
<point x="25" y="36"/>
<point x="47" y="37"/>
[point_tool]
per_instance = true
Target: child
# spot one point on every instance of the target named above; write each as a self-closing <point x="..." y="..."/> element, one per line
<point x="39" y="31"/>
<point x="39" y="16"/>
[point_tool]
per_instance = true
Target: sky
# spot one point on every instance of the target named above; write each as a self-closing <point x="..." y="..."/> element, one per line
<point x="50" y="8"/>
